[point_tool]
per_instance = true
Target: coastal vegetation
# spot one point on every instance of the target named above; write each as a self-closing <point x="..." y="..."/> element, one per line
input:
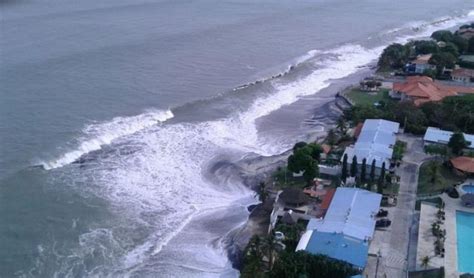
<point x="305" y="159"/>
<point x="435" y="177"/>
<point x="263" y="258"/>
<point x="360" y="97"/>
<point x="445" y="48"/>
<point x="452" y="113"/>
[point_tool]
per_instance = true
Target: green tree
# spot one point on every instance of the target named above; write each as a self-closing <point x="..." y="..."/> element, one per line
<point x="426" y="47"/>
<point x="354" y="166"/>
<point x="470" y="48"/>
<point x="425" y="261"/>
<point x="433" y="173"/>
<point x="443" y="60"/>
<point x="363" y="171"/>
<point x="394" y="56"/>
<point x="311" y="171"/>
<point x="331" y="138"/>
<point x="252" y="260"/>
<point x="344" y="168"/>
<point x="442" y="35"/>
<point x="269" y="249"/>
<point x="457" y="143"/>
<point x="372" y="175"/>
<point x="451" y="48"/>
<point x="341" y="125"/>
<point x="381" y="180"/>
<point x="461" y="43"/>
<point x="262" y="192"/>
<point x="299" y="145"/>
<point x="303" y="264"/>
<point x="305" y="158"/>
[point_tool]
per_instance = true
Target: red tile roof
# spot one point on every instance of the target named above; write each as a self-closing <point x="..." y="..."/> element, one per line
<point x="463" y="163"/>
<point x="423" y="89"/>
<point x="328" y="198"/>
<point x="422" y="59"/>
<point x="462" y="72"/>
<point x="326" y="148"/>
<point x="358" y="129"/>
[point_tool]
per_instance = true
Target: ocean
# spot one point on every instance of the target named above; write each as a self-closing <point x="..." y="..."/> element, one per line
<point x="115" y="117"/>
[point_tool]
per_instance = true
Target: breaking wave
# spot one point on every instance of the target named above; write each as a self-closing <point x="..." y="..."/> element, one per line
<point x="98" y="135"/>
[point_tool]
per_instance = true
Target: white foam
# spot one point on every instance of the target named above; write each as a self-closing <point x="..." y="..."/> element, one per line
<point x="98" y="135"/>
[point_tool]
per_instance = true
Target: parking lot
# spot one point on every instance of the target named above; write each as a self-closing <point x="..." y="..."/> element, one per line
<point x="392" y="245"/>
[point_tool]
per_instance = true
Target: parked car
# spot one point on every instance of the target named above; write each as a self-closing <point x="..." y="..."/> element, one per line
<point x="382" y="213"/>
<point x="383" y="223"/>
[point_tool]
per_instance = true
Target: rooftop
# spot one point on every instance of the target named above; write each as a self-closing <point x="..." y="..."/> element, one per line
<point x="422" y="59"/>
<point x="463" y="163"/>
<point x="293" y="196"/>
<point x="436" y="135"/>
<point x="423" y="89"/>
<point x="375" y="141"/>
<point x="337" y="246"/>
<point x="462" y="72"/>
<point x="351" y="212"/>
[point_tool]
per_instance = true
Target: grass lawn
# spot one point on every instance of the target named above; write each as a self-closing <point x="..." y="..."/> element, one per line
<point x="445" y="178"/>
<point x="367" y="98"/>
<point x="435" y="200"/>
<point x="284" y="178"/>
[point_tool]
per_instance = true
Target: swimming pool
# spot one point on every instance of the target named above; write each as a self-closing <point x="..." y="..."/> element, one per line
<point x="465" y="233"/>
<point x="468" y="188"/>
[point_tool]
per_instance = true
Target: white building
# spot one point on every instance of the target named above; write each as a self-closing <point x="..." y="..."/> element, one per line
<point x="438" y="136"/>
<point x="352" y="212"/>
<point x="375" y="142"/>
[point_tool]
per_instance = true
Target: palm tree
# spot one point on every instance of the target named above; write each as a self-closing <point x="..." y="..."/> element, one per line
<point x="341" y="125"/>
<point x="344" y="168"/>
<point x="363" y="171"/>
<point x="425" y="261"/>
<point x="372" y="175"/>
<point x="433" y="173"/>
<point x="269" y="249"/>
<point x="262" y="192"/>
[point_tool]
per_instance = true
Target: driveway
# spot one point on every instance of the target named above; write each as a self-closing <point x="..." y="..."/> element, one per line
<point x="393" y="243"/>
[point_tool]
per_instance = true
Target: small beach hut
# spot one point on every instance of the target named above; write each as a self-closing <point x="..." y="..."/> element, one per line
<point x="294" y="197"/>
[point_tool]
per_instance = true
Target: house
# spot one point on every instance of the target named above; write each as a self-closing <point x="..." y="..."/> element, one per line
<point x="292" y="201"/>
<point x="466" y="33"/>
<point x="463" y="75"/>
<point x="370" y="85"/>
<point x="375" y="142"/>
<point x="438" y="136"/>
<point x="351" y="212"/>
<point x="422" y="89"/>
<point x="347" y="228"/>
<point x="420" y="64"/>
<point x="463" y="165"/>
<point x="466" y="61"/>
<point x="337" y="246"/>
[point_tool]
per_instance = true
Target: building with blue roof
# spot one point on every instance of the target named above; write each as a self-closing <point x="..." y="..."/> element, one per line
<point x="337" y="246"/>
<point x="346" y="230"/>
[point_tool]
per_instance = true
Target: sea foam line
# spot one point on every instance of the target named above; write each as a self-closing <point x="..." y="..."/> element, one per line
<point x="102" y="134"/>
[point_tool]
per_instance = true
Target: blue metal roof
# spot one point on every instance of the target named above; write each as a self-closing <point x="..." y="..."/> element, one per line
<point x="340" y="247"/>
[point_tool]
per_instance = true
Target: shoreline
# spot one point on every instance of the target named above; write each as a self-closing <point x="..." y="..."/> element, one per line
<point x="257" y="169"/>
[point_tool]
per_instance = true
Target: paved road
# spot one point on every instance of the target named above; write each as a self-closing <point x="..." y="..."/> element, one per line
<point x="394" y="243"/>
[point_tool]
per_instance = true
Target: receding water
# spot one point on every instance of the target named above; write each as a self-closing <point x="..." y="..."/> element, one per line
<point x="115" y="117"/>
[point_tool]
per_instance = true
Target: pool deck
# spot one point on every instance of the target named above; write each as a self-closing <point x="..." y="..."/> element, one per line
<point x="425" y="247"/>
<point x="450" y="245"/>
